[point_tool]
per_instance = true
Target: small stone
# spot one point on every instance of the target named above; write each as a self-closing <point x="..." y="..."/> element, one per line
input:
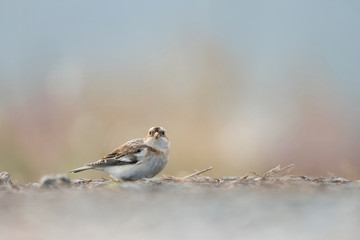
<point x="305" y="178"/>
<point x="229" y="179"/>
<point x="54" y="180"/>
<point x="155" y="181"/>
<point x="339" y="180"/>
<point x="79" y="181"/>
<point x="5" y="179"/>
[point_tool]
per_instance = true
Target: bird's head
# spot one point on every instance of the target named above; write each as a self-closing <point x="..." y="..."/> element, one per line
<point x="157" y="139"/>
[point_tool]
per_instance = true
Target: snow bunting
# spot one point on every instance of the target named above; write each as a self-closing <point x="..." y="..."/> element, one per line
<point x="136" y="159"/>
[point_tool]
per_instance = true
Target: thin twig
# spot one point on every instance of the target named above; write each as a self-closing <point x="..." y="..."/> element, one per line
<point x="197" y="173"/>
<point x="277" y="169"/>
<point x="255" y="173"/>
<point x="243" y="177"/>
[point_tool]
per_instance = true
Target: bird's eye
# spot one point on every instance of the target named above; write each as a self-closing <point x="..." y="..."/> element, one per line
<point x="139" y="150"/>
<point x="162" y="133"/>
<point x="149" y="133"/>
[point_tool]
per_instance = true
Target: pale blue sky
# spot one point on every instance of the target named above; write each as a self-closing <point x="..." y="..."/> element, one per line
<point x="270" y="36"/>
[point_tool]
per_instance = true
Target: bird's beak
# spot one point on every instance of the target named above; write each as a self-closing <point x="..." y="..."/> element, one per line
<point x="156" y="135"/>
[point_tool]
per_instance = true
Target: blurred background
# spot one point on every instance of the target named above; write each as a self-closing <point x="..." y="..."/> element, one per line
<point x="239" y="85"/>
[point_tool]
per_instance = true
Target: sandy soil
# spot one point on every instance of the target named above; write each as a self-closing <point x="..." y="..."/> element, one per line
<point x="252" y="207"/>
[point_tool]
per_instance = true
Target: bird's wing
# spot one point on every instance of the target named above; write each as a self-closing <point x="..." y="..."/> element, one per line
<point x="124" y="155"/>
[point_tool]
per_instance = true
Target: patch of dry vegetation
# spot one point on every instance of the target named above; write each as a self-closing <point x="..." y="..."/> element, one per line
<point x="274" y="177"/>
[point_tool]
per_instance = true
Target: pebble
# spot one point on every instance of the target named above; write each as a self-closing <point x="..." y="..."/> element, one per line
<point x="54" y="180"/>
<point x="5" y="179"/>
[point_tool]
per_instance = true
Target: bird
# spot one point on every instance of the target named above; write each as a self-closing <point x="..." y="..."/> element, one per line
<point x="136" y="159"/>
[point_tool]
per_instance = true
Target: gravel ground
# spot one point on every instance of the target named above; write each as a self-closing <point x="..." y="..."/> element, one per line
<point x="252" y="207"/>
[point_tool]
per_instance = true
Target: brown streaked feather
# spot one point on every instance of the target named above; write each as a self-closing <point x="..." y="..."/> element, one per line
<point x="128" y="150"/>
<point x="155" y="152"/>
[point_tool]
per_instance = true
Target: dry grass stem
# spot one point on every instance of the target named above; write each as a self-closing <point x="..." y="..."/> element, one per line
<point x="255" y="174"/>
<point x="277" y="169"/>
<point x="197" y="173"/>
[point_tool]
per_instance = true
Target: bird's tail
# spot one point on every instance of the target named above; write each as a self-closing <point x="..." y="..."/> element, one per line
<point x="81" y="169"/>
